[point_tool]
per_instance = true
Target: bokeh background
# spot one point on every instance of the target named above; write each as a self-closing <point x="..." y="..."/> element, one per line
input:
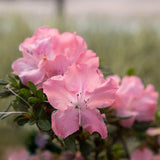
<point x="124" y="33"/>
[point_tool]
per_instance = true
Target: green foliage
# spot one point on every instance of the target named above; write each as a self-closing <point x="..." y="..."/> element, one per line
<point x="44" y="124"/>
<point x="21" y="120"/>
<point x="131" y="72"/>
<point x="117" y="151"/>
<point x="70" y="144"/>
<point x="85" y="148"/>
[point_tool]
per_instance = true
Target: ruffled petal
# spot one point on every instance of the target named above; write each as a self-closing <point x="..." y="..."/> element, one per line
<point x="58" y="96"/>
<point x="144" y="154"/>
<point x="92" y="121"/>
<point x="89" y="58"/>
<point x="131" y="85"/>
<point x="27" y="71"/>
<point x="81" y="78"/>
<point x="102" y="96"/>
<point x="65" y="123"/>
<point x="146" y="104"/>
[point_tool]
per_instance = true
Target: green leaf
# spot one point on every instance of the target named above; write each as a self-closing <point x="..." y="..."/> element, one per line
<point x="32" y="87"/>
<point x="6" y="109"/>
<point x="39" y="94"/>
<point x="31" y="122"/>
<point x="6" y="114"/>
<point x="70" y="144"/>
<point x="53" y="148"/>
<point x="141" y="126"/>
<point x="44" y="124"/>
<point x="21" y="120"/>
<point x="157" y="115"/>
<point x="2" y="82"/>
<point x="30" y="143"/>
<point x="25" y="93"/>
<point x="18" y="106"/>
<point x="131" y="72"/>
<point x="14" y="81"/>
<point x="124" y="117"/>
<point x="34" y="100"/>
<point x="5" y="94"/>
<point x="85" y="148"/>
<point x="117" y="151"/>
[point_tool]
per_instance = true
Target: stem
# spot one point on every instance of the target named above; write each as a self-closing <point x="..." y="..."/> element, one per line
<point x="19" y="96"/>
<point x="125" y="147"/>
<point x="96" y="155"/>
<point x="109" y="153"/>
<point x="61" y="143"/>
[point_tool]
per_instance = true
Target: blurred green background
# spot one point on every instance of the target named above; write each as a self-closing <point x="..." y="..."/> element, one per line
<point x="121" y="39"/>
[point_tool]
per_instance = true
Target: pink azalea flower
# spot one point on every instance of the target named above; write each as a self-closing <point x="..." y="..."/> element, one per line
<point x="46" y="155"/>
<point x="19" y="155"/>
<point x="76" y="96"/>
<point x="157" y="157"/>
<point x="144" y="154"/>
<point x="132" y="99"/>
<point x="153" y="131"/>
<point x="48" y="53"/>
<point x="34" y="158"/>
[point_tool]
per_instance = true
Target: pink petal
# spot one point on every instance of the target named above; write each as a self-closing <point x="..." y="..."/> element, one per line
<point x="45" y="31"/>
<point x="65" y="123"/>
<point x="153" y="131"/>
<point x="34" y="158"/>
<point x="131" y="85"/>
<point x="46" y="155"/>
<point x="129" y="121"/>
<point x="122" y="110"/>
<point x="71" y="44"/>
<point x="102" y="96"/>
<point x="157" y="157"/>
<point x="56" y="67"/>
<point x="19" y="155"/>
<point x="27" y="72"/>
<point x="81" y="78"/>
<point x="144" y="154"/>
<point x="36" y="76"/>
<point x="89" y="58"/>
<point x="60" y="64"/>
<point x="58" y="96"/>
<point x="23" y="64"/>
<point x="116" y="78"/>
<point x="146" y="105"/>
<point x="92" y="121"/>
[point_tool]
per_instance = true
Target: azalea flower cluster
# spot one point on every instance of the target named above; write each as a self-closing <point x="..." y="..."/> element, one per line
<point x="75" y="94"/>
<point x="23" y="154"/>
<point x="68" y="73"/>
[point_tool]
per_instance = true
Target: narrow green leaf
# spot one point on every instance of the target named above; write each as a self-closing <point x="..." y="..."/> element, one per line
<point x="5" y="94"/>
<point x="32" y="87"/>
<point x="25" y="93"/>
<point x="18" y="106"/>
<point x="39" y="94"/>
<point x="6" y="114"/>
<point x="21" y="120"/>
<point x="34" y="100"/>
<point x="2" y="82"/>
<point x="6" y="109"/>
<point x="124" y="117"/>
